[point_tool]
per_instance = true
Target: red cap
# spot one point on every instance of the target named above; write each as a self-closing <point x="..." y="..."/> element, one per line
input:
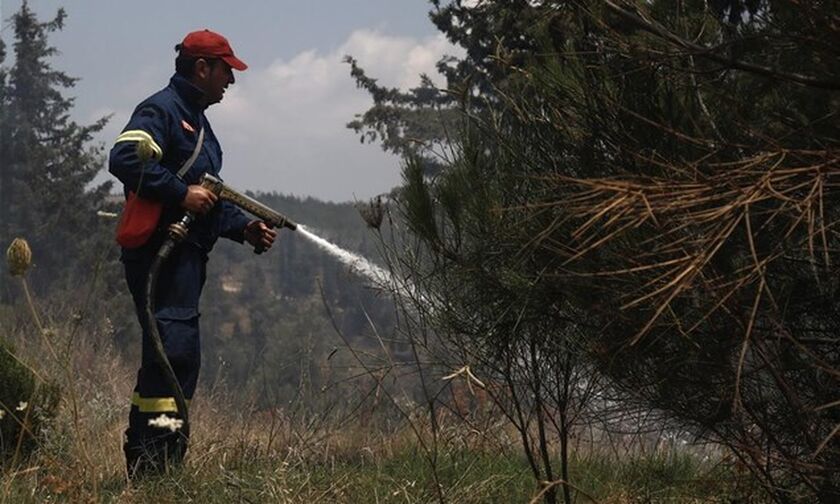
<point x="205" y="43"/>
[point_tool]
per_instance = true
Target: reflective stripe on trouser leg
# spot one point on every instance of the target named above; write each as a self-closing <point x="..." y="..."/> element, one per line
<point x="154" y="404"/>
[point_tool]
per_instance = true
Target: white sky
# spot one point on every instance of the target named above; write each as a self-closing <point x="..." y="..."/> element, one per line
<point x="282" y="125"/>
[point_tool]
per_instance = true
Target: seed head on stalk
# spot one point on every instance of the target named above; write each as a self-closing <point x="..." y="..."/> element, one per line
<point x="18" y="257"/>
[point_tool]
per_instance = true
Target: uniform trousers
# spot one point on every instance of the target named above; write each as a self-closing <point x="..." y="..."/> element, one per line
<point x="149" y="448"/>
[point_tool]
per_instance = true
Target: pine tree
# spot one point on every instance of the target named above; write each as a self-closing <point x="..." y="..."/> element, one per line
<point x="5" y="169"/>
<point x="420" y="122"/>
<point x="48" y="161"/>
<point x="602" y="182"/>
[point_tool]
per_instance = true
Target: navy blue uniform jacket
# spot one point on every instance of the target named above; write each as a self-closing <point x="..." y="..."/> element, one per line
<point x="172" y="118"/>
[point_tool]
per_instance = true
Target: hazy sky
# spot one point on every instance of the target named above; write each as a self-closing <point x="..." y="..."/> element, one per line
<point x="282" y="125"/>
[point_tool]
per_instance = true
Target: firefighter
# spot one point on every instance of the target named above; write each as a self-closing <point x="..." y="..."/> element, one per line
<point x="172" y="126"/>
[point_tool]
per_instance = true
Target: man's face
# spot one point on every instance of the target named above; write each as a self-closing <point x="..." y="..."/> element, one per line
<point x="213" y="78"/>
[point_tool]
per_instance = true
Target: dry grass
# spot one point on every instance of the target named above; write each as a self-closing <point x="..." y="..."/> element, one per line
<point x="241" y="454"/>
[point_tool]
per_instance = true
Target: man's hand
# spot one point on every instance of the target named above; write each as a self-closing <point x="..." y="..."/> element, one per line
<point x="199" y="199"/>
<point x="260" y="235"/>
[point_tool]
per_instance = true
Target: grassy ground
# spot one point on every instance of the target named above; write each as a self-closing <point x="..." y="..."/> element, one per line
<point x="403" y="477"/>
<point x="240" y="454"/>
<point x="250" y="459"/>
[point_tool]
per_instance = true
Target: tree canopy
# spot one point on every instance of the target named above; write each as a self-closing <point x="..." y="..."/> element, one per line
<point x="48" y="161"/>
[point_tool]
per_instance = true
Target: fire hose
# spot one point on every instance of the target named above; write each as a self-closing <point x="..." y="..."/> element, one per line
<point x="176" y="233"/>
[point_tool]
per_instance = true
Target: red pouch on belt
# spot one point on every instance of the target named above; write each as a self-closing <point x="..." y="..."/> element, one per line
<point x="139" y="220"/>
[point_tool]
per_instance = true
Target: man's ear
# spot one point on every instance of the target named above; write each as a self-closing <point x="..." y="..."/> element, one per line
<point x="202" y="68"/>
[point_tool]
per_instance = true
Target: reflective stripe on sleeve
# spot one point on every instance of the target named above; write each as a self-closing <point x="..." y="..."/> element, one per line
<point x="154" y="404"/>
<point x="143" y="139"/>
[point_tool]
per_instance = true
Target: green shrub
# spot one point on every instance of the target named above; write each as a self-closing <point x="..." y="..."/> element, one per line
<point x="26" y="406"/>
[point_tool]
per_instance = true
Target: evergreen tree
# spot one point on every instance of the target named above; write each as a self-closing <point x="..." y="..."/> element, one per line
<point x="47" y="160"/>
<point x="660" y="173"/>
<point x="419" y="122"/>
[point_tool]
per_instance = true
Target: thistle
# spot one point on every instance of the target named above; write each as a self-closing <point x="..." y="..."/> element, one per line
<point x="372" y="212"/>
<point x="18" y="257"/>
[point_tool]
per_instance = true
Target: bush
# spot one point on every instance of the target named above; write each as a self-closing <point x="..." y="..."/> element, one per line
<point x="26" y="406"/>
